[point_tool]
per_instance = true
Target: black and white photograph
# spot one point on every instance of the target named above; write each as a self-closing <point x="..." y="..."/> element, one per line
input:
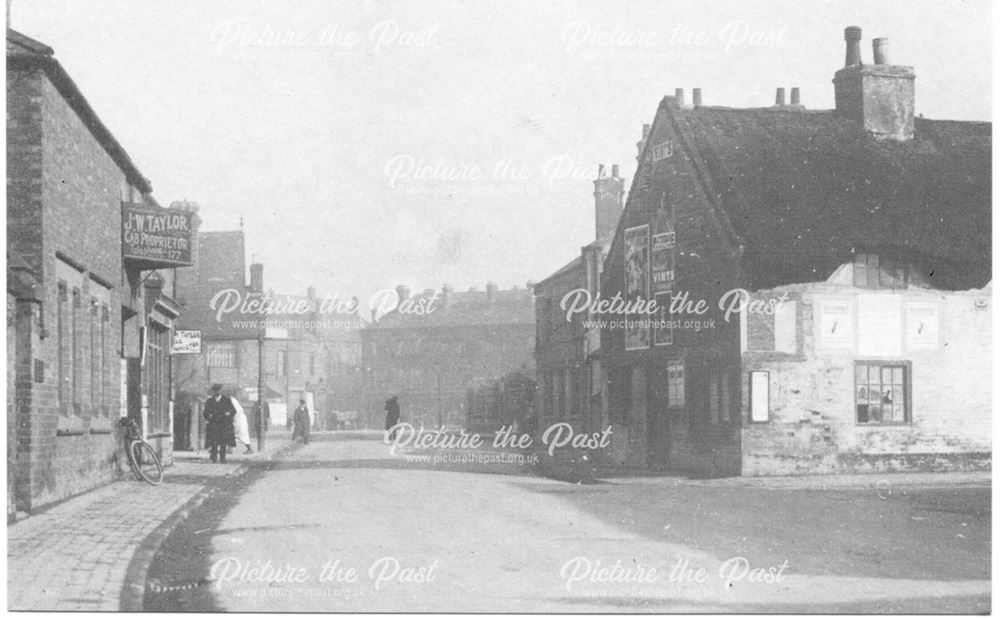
<point x="499" y="307"/>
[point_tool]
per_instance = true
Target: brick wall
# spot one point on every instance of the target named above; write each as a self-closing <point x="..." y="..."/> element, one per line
<point x="63" y="196"/>
<point x="812" y="426"/>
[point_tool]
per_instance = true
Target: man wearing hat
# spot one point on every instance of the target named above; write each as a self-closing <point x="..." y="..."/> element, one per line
<point x="219" y="433"/>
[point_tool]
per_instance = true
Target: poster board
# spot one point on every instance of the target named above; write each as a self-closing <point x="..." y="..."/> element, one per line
<point x="636" y="285"/>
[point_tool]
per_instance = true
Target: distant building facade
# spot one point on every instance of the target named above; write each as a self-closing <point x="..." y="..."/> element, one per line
<point x="860" y="239"/>
<point x="306" y="352"/>
<point x="568" y="352"/>
<point x="92" y="306"/>
<point x="431" y="360"/>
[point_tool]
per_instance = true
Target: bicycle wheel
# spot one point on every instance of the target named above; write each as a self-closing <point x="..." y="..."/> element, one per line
<point x="145" y="462"/>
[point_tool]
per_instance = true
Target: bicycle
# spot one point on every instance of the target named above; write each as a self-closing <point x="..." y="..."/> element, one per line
<point x="141" y="456"/>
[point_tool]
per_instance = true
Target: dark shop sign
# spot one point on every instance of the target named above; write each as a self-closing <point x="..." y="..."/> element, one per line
<point x="154" y="237"/>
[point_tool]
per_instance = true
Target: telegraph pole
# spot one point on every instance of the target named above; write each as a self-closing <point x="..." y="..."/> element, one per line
<point x="260" y="387"/>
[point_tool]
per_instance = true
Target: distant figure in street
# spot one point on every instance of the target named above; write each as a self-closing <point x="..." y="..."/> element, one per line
<point x="301" y="422"/>
<point x="242" y="426"/>
<point x="391" y="415"/>
<point x="219" y="413"/>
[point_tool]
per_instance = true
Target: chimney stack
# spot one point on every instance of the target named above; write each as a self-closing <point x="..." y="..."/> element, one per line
<point x="880" y="96"/>
<point x="641" y="144"/>
<point x="779" y="97"/>
<point x="696" y="97"/>
<point x="609" y="201"/>
<point x="491" y="292"/>
<point x="795" y="96"/>
<point x="880" y="51"/>
<point x="679" y="96"/>
<point x="446" y="292"/>
<point x="256" y="278"/>
<point x="852" y="35"/>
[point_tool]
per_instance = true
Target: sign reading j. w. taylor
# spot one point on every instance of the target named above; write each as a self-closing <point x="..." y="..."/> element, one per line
<point x="158" y="237"/>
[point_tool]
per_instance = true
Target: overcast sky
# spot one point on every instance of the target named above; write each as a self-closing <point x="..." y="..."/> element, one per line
<point x="367" y="144"/>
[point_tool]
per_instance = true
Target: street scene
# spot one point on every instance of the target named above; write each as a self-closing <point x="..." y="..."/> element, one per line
<point x="499" y="308"/>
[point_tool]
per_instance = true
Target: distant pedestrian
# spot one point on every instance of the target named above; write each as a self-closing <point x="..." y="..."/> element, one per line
<point x="391" y="416"/>
<point x="219" y="413"/>
<point x="242" y="426"/>
<point x="301" y="422"/>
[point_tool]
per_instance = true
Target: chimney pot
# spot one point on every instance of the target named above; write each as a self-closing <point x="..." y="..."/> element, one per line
<point x="600" y="171"/>
<point x="679" y="96"/>
<point x="880" y="50"/>
<point x="795" y="95"/>
<point x="696" y="97"/>
<point x="614" y="171"/>
<point x="779" y="97"/>
<point x="852" y="35"/>
<point x="402" y="292"/>
<point x="645" y="130"/>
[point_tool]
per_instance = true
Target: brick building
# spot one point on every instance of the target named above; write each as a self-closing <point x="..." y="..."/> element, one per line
<point x="229" y="340"/>
<point x="308" y="353"/>
<point x="862" y="235"/>
<point x="568" y="352"/>
<point x="438" y="345"/>
<point x="90" y="312"/>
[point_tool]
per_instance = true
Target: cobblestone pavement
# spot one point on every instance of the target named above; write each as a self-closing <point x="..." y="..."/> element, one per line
<point x="74" y="556"/>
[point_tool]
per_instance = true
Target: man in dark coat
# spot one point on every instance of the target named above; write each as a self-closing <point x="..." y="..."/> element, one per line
<point x="219" y="432"/>
<point x="391" y="415"/>
<point x="301" y="422"/>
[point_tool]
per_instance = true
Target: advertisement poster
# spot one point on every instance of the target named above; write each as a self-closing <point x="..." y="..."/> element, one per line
<point x="636" y="284"/>
<point x="663" y="262"/>
<point x="836" y="324"/>
<point x="922" y="326"/>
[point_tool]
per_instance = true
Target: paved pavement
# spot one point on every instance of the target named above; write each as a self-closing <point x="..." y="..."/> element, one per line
<point x="79" y="554"/>
<point x="342" y="526"/>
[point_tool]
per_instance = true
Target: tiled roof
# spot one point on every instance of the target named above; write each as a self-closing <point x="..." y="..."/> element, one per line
<point x="802" y="190"/>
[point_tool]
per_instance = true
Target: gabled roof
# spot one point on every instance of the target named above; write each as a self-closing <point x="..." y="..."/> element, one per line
<point x="577" y="263"/>
<point x="25" y="53"/>
<point x="802" y="190"/>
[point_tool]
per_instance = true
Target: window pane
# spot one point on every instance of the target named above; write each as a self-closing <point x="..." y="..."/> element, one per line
<point x="861" y="374"/>
<point x="897" y="375"/>
<point x="887" y="375"/>
<point x="874" y="375"/>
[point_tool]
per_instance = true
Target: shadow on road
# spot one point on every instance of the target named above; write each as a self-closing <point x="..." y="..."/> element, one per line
<point x="178" y="578"/>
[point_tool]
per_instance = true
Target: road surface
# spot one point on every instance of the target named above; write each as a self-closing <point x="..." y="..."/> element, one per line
<point x="340" y="525"/>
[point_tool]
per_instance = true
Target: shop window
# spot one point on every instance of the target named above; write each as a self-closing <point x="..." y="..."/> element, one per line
<point x="873" y="271"/>
<point x="881" y="392"/>
<point x="675" y="385"/>
<point x="158" y="377"/>
<point x="221" y="354"/>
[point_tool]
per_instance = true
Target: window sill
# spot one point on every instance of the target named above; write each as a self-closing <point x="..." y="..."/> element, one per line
<point x="69" y="433"/>
<point x="100" y="431"/>
<point x="882" y="424"/>
<point x="159" y="435"/>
